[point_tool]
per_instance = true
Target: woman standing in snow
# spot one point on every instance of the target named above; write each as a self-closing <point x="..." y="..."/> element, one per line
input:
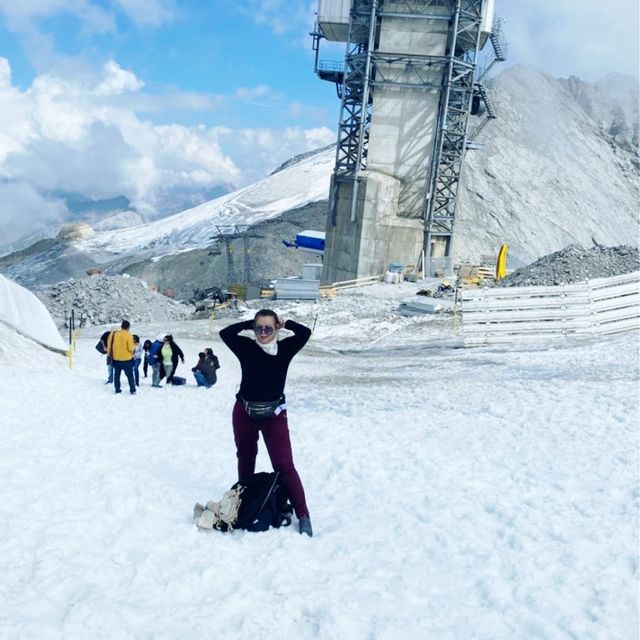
<point x="260" y="403"/>
<point x="146" y="347"/>
<point x="169" y="355"/>
<point x="155" y="360"/>
<point x="137" y="358"/>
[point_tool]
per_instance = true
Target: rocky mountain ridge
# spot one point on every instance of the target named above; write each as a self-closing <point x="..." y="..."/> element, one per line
<point x="559" y="166"/>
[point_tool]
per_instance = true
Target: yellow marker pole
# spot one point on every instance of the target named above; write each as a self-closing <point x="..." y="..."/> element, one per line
<point x="212" y="317"/>
<point x="69" y="355"/>
<point x="501" y="262"/>
<point x="455" y="311"/>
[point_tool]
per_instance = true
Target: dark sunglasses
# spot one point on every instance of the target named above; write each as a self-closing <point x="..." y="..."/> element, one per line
<point x="266" y="329"/>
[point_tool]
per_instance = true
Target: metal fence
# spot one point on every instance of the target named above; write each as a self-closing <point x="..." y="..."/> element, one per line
<point x="509" y="314"/>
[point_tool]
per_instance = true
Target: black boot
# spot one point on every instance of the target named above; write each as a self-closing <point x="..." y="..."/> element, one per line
<point x="304" y="526"/>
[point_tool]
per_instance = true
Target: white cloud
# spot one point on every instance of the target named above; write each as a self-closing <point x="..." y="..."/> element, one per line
<point x="260" y="151"/>
<point x="22" y="15"/>
<point x="572" y="38"/>
<point x="85" y="135"/>
<point x="116" y="80"/>
<point x="5" y="74"/>
<point x="248" y="93"/>
<point x="148" y="13"/>
<point x="24" y="210"/>
<point x="27" y="19"/>
<point x="79" y="137"/>
<point x="172" y="100"/>
<point x="281" y="16"/>
<point x="94" y="16"/>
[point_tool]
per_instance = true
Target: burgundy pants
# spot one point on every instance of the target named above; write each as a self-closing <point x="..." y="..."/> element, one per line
<point x="275" y="433"/>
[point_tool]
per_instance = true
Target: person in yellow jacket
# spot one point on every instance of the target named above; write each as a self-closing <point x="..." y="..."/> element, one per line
<point x="120" y="347"/>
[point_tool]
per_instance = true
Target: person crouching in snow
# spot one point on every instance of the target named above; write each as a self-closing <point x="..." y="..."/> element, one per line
<point x="260" y="404"/>
<point x="204" y="372"/>
<point x="208" y="352"/>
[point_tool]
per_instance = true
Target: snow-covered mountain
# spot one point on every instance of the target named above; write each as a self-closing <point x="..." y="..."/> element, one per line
<point x="294" y="186"/>
<point x="184" y="239"/>
<point x="559" y="166"/>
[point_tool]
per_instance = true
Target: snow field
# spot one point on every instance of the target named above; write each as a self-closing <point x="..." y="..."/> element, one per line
<point x="478" y="493"/>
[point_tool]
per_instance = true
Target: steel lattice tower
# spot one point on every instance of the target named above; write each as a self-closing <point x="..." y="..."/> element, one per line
<point x="378" y="73"/>
<point x="453" y="117"/>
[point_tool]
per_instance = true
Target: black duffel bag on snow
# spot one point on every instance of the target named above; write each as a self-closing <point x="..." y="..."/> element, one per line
<point x="264" y="503"/>
<point x="255" y="505"/>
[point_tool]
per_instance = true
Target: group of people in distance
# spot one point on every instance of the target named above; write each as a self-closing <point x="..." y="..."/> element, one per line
<point x="260" y="405"/>
<point x="125" y="353"/>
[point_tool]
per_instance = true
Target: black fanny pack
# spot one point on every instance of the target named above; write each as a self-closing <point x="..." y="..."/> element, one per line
<point x="262" y="410"/>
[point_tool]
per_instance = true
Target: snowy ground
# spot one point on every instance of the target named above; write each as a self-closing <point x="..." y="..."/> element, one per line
<point x="454" y="493"/>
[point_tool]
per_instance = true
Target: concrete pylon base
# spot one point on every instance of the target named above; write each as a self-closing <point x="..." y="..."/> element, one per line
<point x="377" y="237"/>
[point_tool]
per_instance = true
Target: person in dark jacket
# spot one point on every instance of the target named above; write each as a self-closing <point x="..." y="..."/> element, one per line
<point x="104" y="339"/>
<point x="260" y="403"/>
<point x="146" y="347"/>
<point x="169" y="355"/>
<point x="204" y="372"/>
<point x="137" y="358"/>
<point x="213" y="357"/>
<point x="155" y="363"/>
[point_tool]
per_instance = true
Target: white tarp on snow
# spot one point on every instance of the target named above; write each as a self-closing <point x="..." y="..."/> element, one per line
<point x="21" y="310"/>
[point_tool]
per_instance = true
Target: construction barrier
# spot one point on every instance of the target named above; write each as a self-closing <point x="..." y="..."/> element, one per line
<point x="508" y="314"/>
<point x="330" y="290"/>
<point x="358" y="282"/>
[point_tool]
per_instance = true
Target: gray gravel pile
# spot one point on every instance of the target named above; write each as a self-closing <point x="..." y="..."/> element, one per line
<point x="109" y="299"/>
<point x="575" y="263"/>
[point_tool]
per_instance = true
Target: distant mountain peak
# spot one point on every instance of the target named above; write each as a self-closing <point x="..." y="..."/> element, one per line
<point x="300" y="157"/>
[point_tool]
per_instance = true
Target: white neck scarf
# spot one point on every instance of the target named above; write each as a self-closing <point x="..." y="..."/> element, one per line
<point x="271" y="347"/>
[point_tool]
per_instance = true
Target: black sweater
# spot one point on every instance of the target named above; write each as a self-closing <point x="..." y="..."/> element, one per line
<point x="263" y="375"/>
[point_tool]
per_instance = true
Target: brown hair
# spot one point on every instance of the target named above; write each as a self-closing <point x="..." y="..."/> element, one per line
<point x="269" y="313"/>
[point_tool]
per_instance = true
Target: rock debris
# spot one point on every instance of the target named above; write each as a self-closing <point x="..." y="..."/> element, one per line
<point x="103" y="299"/>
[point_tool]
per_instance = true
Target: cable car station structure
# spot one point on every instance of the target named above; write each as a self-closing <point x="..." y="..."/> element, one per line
<point x="408" y="86"/>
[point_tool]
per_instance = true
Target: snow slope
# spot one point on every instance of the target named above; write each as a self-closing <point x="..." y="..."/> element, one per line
<point x="487" y="493"/>
<point x="292" y="187"/>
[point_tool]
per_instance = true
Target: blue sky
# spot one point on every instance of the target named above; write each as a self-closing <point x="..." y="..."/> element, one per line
<point x="214" y="48"/>
<point x="139" y="97"/>
<point x="255" y="55"/>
